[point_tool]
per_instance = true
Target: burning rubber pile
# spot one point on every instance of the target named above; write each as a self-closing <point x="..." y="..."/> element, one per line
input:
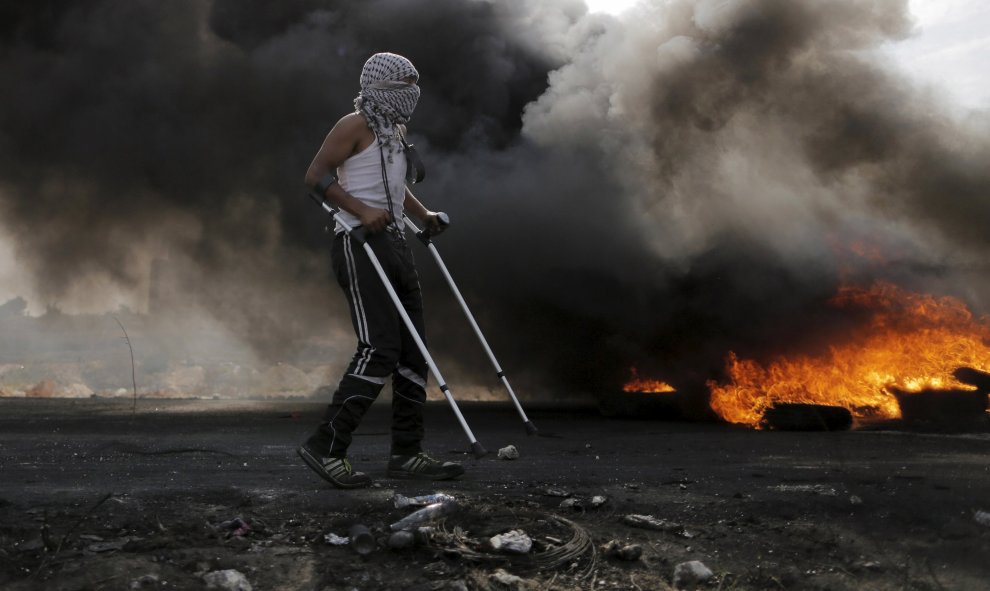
<point x="906" y="344"/>
<point x="900" y="355"/>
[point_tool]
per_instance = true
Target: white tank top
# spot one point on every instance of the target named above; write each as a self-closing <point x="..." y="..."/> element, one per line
<point x="361" y="176"/>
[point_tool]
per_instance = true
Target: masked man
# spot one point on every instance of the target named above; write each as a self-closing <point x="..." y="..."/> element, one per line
<point x="361" y="169"/>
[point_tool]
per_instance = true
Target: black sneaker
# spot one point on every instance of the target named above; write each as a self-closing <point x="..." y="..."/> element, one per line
<point x="336" y="471"/>
<point x="423" y="467"/>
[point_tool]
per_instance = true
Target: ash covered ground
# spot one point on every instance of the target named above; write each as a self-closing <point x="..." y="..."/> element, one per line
<point x="96" y="496"/>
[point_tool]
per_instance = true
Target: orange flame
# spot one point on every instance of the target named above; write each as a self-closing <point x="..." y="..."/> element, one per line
<point x="638" y="384"/>
<point x="911" y="341"/>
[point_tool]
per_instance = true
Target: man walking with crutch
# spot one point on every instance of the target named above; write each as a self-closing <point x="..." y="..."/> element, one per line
<point x="361" y="169"/>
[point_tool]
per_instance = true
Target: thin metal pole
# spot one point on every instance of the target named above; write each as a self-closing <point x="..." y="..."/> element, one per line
<point x="476" y="447"/>
<point x="127" y="340"/>
<point x="425" y="238"/>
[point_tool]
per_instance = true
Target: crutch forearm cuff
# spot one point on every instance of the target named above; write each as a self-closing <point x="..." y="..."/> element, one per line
<point x="325" y="183"/>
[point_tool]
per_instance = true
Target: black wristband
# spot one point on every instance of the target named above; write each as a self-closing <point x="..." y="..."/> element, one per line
<point x="325" y="183"/>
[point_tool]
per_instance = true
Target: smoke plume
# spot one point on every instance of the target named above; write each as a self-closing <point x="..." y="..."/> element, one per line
<point x="693" y="178"/>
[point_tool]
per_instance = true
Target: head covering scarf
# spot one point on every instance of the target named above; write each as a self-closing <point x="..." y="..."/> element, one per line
<point x="385" y="100"/>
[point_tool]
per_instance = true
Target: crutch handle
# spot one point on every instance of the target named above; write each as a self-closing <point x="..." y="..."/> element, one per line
<point x="426" y="233"/>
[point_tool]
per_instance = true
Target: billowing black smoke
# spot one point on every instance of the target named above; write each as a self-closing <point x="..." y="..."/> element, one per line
<point x="693" y="179"/>
<point x="133" y="131"/>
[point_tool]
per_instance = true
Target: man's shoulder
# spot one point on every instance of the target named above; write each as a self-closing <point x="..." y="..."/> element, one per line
<point x="352" y="121"/>
<point x="352" y="117"/>
<point x="352" y="125"/>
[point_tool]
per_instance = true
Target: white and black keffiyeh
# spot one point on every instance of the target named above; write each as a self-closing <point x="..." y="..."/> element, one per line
<point x="385" y="100"/>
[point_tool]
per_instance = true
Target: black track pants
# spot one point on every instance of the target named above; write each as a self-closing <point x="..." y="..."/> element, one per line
<point x="385" y="347"/>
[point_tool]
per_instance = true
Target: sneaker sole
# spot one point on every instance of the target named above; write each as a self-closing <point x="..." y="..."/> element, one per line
<point x="315" y="466"/>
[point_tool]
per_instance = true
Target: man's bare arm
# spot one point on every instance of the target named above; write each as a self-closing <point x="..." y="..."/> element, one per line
<point x="339" y="145"/>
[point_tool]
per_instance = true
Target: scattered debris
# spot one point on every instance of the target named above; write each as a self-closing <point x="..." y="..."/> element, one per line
<point x="508" y="452"/>
<point x="982" y="517"/>
<point x="871" y="565"/>
<point x="563" y="544"/>
<point x="509" y="580"/>
<point x="227" y="580"/>
<point x="141" y="582"/>
<point x="657" y="524"/>
<point x="819" y="489"/>
<point x="512" y="542"/>
<point x="578" y="504"/>
<point x="617" y="549"/>
<point x="401" y="502"/>
<point x="424" y="534"/>
<point x="646" y="522"/>
<point x="401" y="539"/>
<point x="436" y="570"/>
<point x="361" y="540"/>
<point x="101" y="547"/>
<point x="693" y="572"/>
<point x="235" y="527"/>
<point x="427" y="513"/>
<point x="335" y="540"/>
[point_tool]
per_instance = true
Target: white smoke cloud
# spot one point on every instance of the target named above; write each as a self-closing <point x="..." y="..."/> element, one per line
<point x="732" y="156"/>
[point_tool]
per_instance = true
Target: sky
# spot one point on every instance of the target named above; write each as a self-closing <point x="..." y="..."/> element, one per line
<point x="948" y="52"/>
<point x="951" y="49"/>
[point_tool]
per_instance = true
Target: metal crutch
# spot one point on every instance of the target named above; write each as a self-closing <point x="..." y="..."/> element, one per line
<point x="424" y="236"/>
<point x="358" y="235"/>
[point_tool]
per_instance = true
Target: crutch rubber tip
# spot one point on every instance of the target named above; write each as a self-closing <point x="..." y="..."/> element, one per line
<point x="531" y="428"/>
<point x="478" y="450"/>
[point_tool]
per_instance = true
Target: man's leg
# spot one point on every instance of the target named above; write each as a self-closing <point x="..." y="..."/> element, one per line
<point x="409" y="382"/>
<point x="376" y="324"/>
<point x="409" y="388"/>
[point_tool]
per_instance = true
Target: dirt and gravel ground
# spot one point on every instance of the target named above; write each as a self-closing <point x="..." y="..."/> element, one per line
<point x="95" y="497"/>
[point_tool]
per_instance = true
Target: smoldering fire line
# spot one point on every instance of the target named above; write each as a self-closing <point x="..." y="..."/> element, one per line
<point x="688" y="180"/>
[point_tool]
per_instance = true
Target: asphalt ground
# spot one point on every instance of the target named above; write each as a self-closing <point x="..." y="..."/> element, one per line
<point x="872" y="508"/>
